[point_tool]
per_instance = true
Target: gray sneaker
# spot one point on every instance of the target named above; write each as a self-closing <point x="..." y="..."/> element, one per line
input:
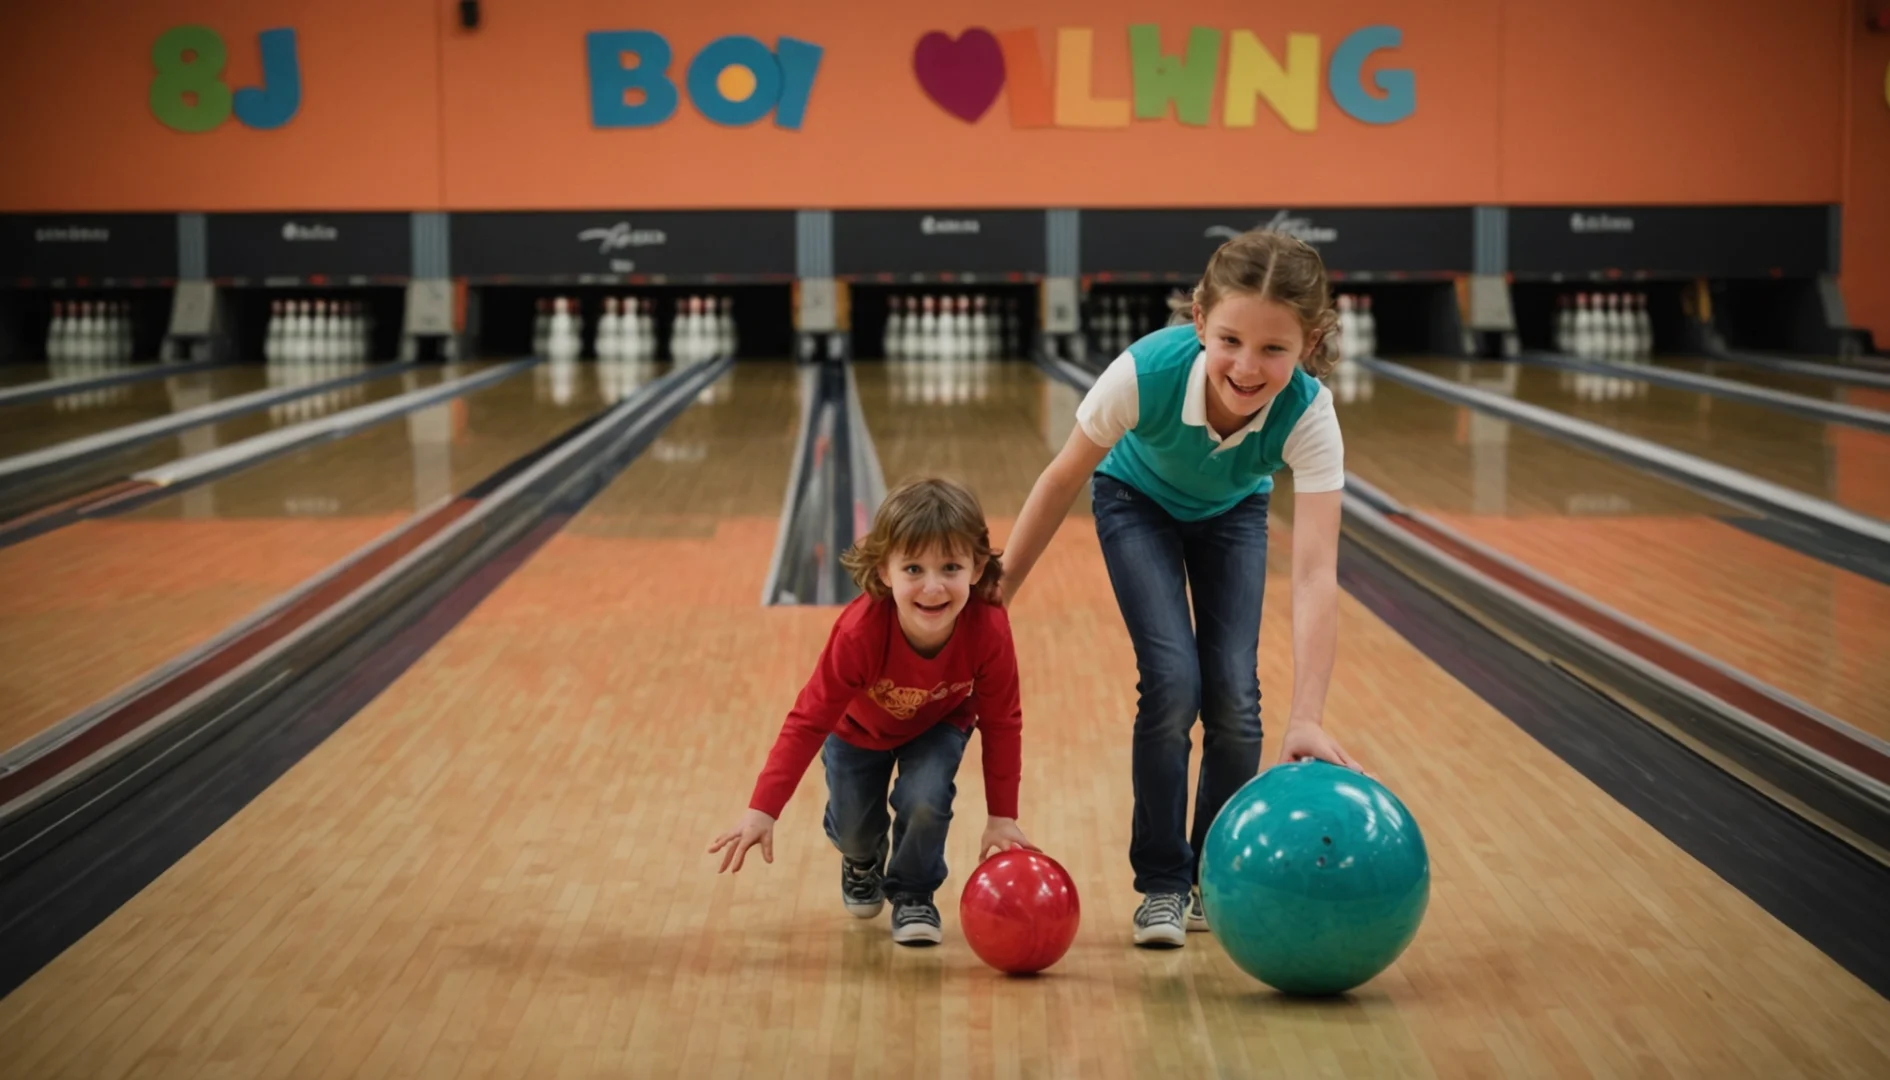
<point x="915" y="920"/>
<point x="1158" y="922"/>
<point x="1197" y="915"/>
<point x="861" y="888"/>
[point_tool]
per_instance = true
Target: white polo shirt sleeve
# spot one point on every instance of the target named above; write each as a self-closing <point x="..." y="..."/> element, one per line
<point x="1111" y="408"/>
<point x="1315" y="451"/>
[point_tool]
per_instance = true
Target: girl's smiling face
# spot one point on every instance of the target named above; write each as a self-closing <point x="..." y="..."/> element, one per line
<point x="1253" y="344"/>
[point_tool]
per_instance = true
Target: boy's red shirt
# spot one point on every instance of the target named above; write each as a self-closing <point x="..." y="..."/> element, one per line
<point x="872" y="690"/>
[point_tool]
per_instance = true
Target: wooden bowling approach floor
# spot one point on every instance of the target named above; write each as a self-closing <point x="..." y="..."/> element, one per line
<point x="498" y="869"/>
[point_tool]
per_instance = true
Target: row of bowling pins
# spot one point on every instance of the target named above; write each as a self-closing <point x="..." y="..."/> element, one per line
<point x="703" y="327"/>
<point x="307" y="372"/>
<point x="951" y="328"/>
<point x="1613" y="326"/>
<point x="1588" y="387"/>
<point x="309" y="331"/>
<point x="1115" y="322"/>
<point x="560" y="378"/>
<point x="85" y="330"/>
<point x="1358" y="327"/>
<point x="949" y="381"/>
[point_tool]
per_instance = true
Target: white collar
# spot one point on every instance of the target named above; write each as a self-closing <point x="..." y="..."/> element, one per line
<point x="1194" y="407"/>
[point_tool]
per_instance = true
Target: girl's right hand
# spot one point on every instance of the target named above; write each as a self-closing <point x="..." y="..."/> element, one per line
<point x="754" y="828"/>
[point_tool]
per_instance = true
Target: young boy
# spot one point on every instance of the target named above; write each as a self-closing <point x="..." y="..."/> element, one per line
<point x="922" y="657"/>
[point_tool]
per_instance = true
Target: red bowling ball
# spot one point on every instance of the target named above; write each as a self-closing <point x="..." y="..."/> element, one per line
<point x="1020" y="911"/>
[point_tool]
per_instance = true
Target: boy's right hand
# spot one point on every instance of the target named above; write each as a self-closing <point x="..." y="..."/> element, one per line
<point x="755" y="828"/>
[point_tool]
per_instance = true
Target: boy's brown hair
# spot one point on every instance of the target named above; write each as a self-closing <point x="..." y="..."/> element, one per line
<point x="920" y="515"/>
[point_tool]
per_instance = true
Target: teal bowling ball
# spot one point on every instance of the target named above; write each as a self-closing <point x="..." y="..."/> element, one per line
<point x="1314" y="878"/>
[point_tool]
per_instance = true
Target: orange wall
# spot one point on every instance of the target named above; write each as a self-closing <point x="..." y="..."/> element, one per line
<point x="1654" y="101"/>
<point x="1518" y="101"/>
<point x="1866" y="276"/>
<point x="78" y="133"/>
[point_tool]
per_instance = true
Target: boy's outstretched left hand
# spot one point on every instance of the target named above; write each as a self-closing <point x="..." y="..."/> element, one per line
<point x="1002" y="834"/>
<point x="755" y="828"/>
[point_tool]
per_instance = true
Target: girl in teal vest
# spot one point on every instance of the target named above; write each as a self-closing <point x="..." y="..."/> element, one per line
<point x="1183" y="434"/>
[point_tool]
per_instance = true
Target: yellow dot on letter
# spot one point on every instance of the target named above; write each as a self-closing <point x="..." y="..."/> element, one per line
<point x="736" y="83"/>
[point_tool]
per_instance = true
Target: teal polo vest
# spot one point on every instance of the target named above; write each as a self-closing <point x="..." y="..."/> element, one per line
<point x="1174" y="463"/>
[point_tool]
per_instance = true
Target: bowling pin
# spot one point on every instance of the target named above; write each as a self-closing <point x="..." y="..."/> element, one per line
<point x="678" y="324"/>
<point x="629" y="340"/>
<point x="608" y="345"/>
<point x="942" y="342"/>
<point x="1584" y="326"/>
<point x="701" y="329"/>
<point x="561" y="338"/>
<point x="980" y="329"/>
<point x="1601" y="341"/>
<point x="332" y="345"/>
<point x="350" y="334"/>
<point x="77" y="343"/>
<point x="926" y="332"/>
<point x="272" y="340"/>
<point x="630" y="330"/>
<point x="101" y="334"/>
<point x="1644" y="328"/>
<point x="1625" y="337"/>
<point x="56" y="332"/>
<point x="1610" y="345"/>
<point x="316" y="349"/>
<point x="889" y="334"/>
<point x="94" y="330"/>
<point x="1610" y="330"/>
<point x="303" y="349"/>
<point x="951" y="341"/>
<point x="683" y="331"/>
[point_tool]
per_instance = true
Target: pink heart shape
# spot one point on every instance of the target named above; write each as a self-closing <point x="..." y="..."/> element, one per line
<point x="962" y="77"/>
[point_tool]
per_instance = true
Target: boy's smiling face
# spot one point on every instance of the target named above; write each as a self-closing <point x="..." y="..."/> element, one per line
<point x="929" y="588"/>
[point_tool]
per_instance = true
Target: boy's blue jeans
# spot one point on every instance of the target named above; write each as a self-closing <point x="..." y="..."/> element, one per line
<point x="857" y="818"/>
